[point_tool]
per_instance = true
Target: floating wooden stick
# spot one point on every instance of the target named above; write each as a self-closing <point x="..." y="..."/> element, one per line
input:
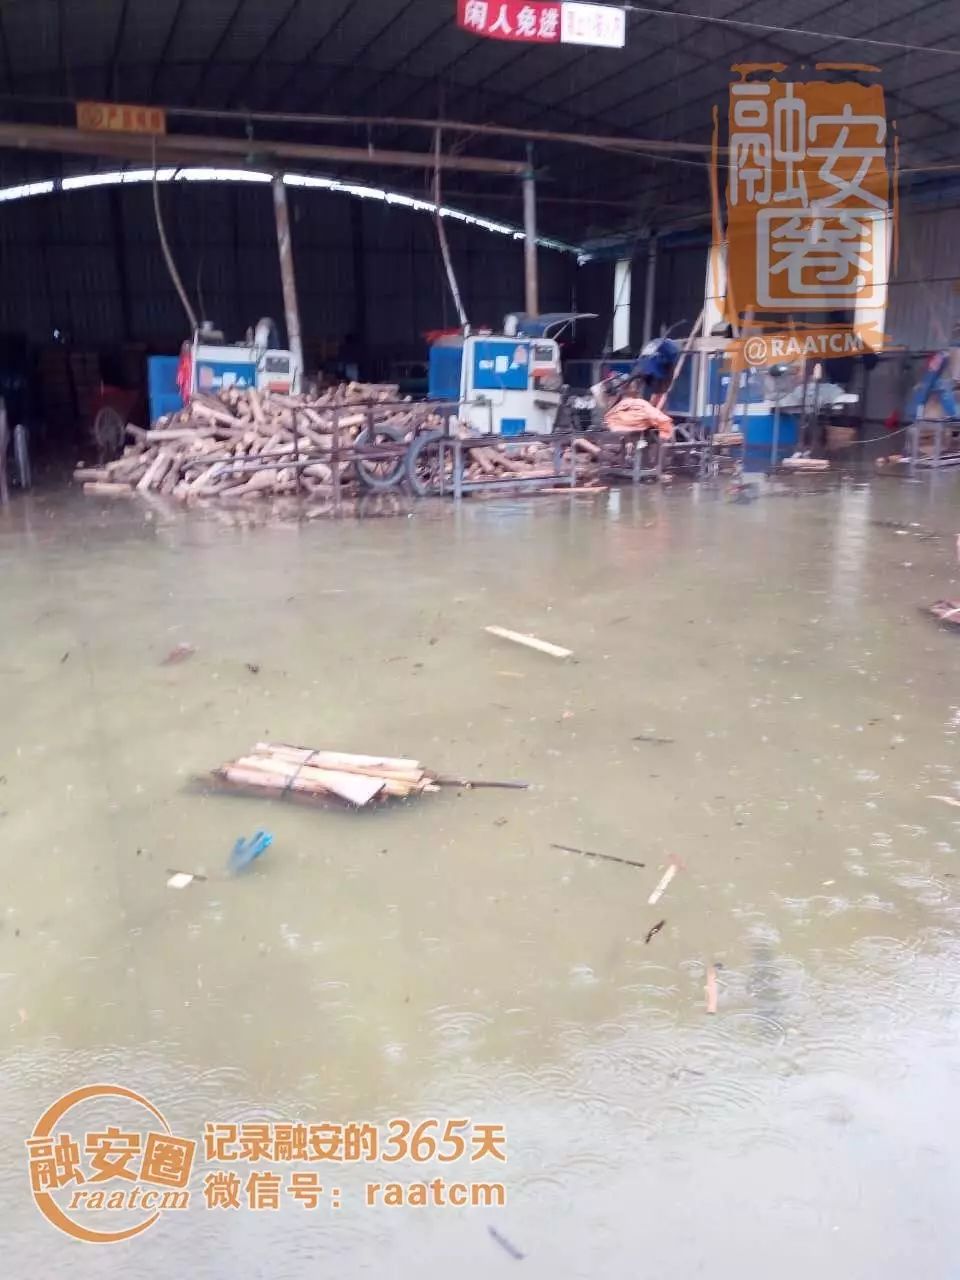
<point x="661" y="888"/>
<point x="472" y="784"/>
<point x="531" y="642"/>
<point x="588" y="853"/>
<point x="710" y="990"/>
<point x="652" y="933"/>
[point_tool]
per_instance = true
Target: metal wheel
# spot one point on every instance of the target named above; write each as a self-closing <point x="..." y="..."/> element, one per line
<point x="429" y="462"/>
<point x="380" y="473"/>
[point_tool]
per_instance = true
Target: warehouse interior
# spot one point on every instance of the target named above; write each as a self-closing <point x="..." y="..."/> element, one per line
<point x="479" y="782"/>
<point x="621" y="161"/>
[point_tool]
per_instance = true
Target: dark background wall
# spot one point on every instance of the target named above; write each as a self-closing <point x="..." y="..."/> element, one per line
<point x="88" y="263"/>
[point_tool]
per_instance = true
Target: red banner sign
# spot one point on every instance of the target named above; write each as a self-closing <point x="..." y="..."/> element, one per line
<point x="532" y="21"/>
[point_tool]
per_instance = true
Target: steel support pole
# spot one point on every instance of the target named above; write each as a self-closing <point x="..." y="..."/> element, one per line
<point x="649" y="290"/>
<point x="287" y="276"/>
<point x="531" y="277"/>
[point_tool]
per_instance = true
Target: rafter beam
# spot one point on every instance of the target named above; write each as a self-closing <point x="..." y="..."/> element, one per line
<point x="255" y="153"/>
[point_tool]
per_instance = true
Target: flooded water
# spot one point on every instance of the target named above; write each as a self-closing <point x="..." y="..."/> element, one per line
<point x="440" y="958"/>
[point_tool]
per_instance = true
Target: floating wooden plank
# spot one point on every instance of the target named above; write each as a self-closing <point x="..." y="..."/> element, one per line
<point x="530" y="642"/>
<point x="353" y="787"/>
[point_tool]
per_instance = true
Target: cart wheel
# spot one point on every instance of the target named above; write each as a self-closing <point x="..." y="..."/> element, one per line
<point x="108" y="431"/>
<point x="428" y="463"/>
<point x="380" y="473"/>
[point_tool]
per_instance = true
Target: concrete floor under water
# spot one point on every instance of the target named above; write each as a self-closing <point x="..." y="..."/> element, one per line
<point x="440" y="958"/>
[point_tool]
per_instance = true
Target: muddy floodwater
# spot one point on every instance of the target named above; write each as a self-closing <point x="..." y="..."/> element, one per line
<point x="754" y="694"/>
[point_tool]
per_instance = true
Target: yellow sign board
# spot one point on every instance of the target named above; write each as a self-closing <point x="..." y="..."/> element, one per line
<point x="120" y="117"/>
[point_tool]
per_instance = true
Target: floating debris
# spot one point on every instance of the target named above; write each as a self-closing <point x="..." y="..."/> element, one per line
<point x="531" y="642"/>
<point x="246" y="851"/>
<point x="946" y="800"/>
<point x="664" y="884"/>
<point x="180" y="879"/>
<point x="589" y="853"/>
<point x="253" y="668"/>
<point x="65" y="657"/>
<point x="506" y="1244"/>
<point x="947" y="611"/>
<point x="653" y="739"/>
<point x="652" y="933"/>
<point x="710" y="990"/>
<point x="179" y="653"/>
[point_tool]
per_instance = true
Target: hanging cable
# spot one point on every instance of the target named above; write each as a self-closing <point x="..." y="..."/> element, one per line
<point x="167" y="255"/>
<point x="442" y="235"/>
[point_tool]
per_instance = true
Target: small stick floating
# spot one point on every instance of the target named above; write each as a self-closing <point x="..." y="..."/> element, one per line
<point x="472" y="784"/>
<point x="661" y="888"/>
<point x="531" y="642"/>
<point x="507" y="1245"/>
<point x="710" y="990"/>
<point x="652" y="933"/>
<point x="588" y="853"/>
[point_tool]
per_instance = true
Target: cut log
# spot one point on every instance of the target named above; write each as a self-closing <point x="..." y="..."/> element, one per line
<point x="155" y="471"/>
<point x="107" y="489"/>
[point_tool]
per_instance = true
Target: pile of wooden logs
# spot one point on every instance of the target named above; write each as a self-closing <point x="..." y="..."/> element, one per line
<point x="278" y="769"/>
<point x="498" y="461"/>
<point x="244" y="442"/>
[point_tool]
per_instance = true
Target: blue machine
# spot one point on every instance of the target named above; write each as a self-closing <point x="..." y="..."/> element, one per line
<point x="164" y="394"/>
<point x="756" y="415"/>
<point x="505" y="384"/>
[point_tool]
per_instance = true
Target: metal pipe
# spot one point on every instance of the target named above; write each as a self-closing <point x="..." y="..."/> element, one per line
<point x="649" y="289"/>
<point x="531" y="278"/>
<point x="287" y="277"/>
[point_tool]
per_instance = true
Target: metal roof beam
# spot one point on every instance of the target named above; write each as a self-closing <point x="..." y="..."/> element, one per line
<point x="360" y="54"/>
<point x="255" y="153"/>
<point x="168" y="41"/>
<point x="112" y="89"/>
<point x="253" y="66"/>
<point x="220" y="42"/>
<point x="311" y="52"/>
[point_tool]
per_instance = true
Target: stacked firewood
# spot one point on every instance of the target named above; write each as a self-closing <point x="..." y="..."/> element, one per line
<point x="500" y="461"/>
<point x="246" y="442"/>
<point x="277" y="769"/>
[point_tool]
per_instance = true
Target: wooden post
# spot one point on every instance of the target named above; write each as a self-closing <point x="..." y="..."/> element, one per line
<point x="531" y="278"/>
<point x="287" y="277"/>
<point x="4" y="444"/>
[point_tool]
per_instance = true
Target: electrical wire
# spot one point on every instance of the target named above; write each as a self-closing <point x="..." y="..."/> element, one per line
<point x="167" y="255"/>
<point x="833" y="36"/>
<point x="442" y="236"/>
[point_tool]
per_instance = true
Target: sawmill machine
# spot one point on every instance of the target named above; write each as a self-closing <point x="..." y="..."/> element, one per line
<point x="210" y="364"/>
<point x="505" y="384"/>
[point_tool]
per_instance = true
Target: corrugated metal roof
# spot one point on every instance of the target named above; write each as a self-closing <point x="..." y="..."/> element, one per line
<point x="408" y="57"/>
